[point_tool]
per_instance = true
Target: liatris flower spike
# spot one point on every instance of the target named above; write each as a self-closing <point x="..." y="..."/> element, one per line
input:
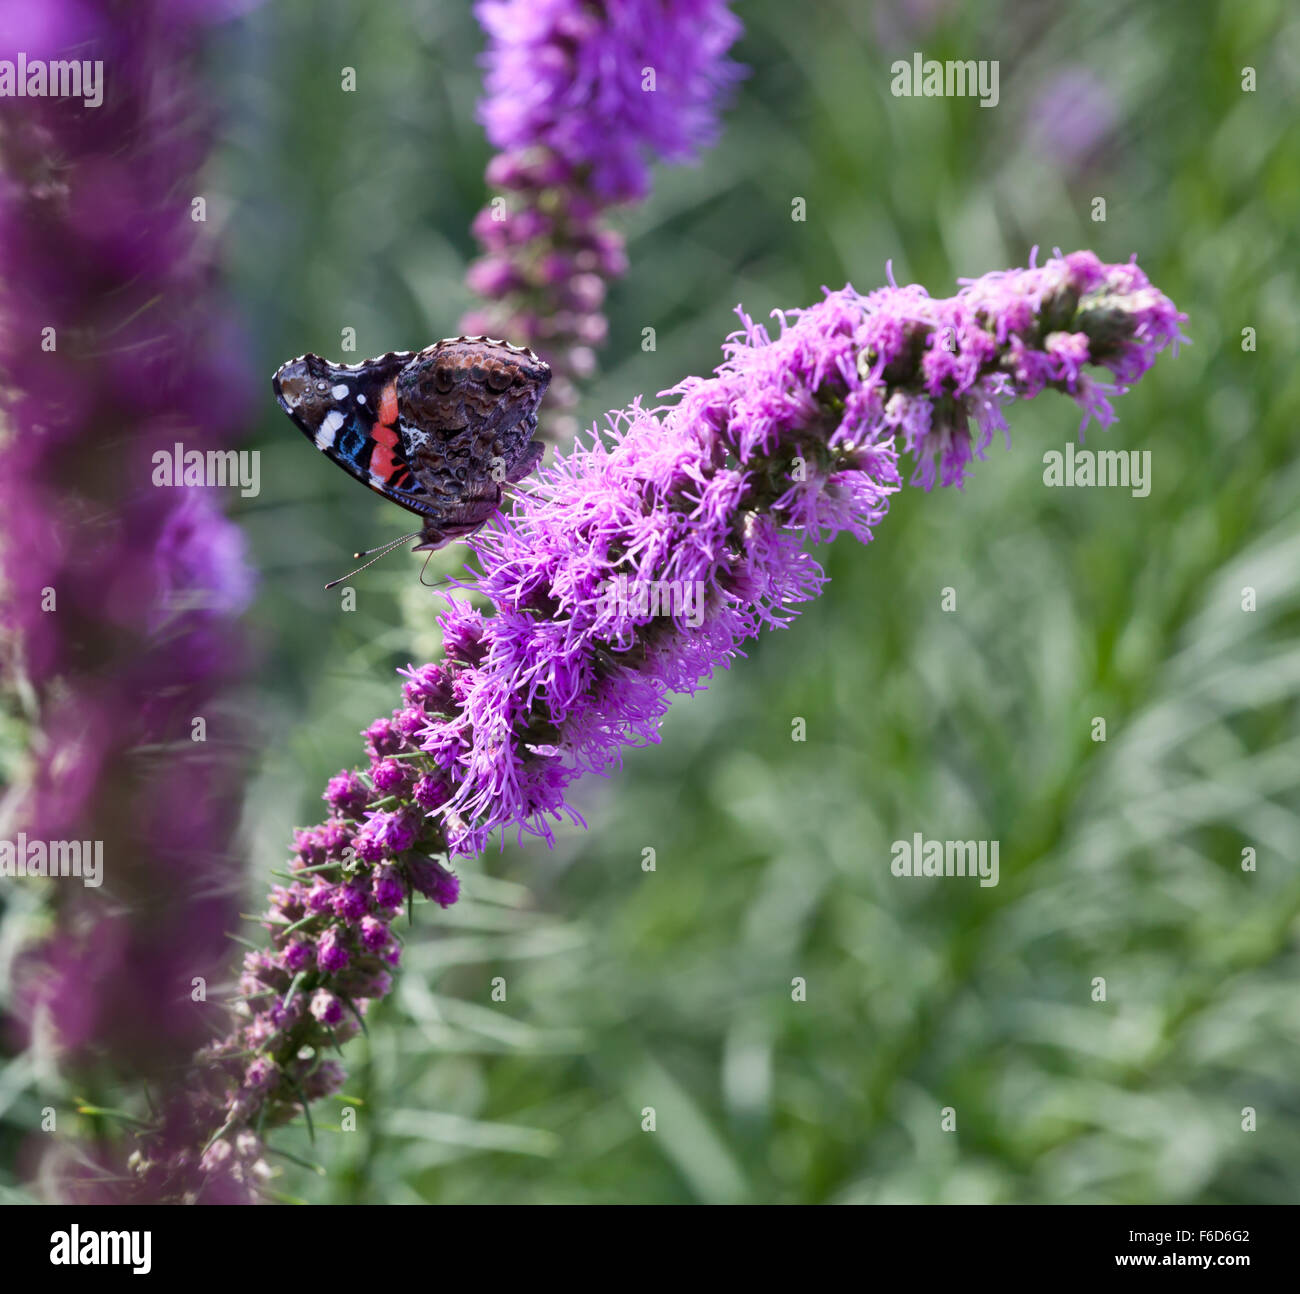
<point x="795" y="438"/>
<point x="579" y="99"/>
<point x="118" y="598"/>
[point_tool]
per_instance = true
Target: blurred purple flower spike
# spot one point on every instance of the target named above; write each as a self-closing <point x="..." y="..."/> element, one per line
<point x="580" y="99"/>
<point x="118" y="597"/>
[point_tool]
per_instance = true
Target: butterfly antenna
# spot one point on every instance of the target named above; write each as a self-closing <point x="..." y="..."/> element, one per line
<point x="389" y="546"/>
<point x="383" y="550"/>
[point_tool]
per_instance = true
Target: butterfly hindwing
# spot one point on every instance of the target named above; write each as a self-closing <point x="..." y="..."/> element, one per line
<point x="350" y="414"/>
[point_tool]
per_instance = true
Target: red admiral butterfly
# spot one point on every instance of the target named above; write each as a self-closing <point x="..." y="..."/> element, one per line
<point x="439" y="432"/>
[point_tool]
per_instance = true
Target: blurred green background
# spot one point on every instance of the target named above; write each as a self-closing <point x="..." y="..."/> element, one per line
<point x="672" y="989"/>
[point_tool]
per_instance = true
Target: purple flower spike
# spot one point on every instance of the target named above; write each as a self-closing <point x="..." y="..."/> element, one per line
<point x="576" y="80"/>
<point x="579" y="100"/>
<point x="642" y="561"/>
<point x="121" y="582"/>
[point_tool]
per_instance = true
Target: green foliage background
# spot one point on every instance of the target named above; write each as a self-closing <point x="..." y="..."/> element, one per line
<point x="1121" y="859"/>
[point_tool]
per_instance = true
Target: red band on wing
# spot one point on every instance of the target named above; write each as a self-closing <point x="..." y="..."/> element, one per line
<point x="382" y="461"/>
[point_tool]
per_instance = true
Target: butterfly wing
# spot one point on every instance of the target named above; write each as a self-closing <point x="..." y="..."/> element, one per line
<point x="349" y="412"/>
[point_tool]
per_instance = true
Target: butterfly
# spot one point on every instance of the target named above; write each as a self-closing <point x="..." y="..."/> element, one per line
<point x="439" y="431"/>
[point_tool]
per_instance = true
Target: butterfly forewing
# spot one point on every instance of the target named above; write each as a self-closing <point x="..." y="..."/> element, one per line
<point x="350" y="415"/>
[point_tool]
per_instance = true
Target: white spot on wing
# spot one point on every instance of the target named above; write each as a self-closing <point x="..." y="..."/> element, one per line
<point x="329" y="429"/>
<point x="339" y="391"/>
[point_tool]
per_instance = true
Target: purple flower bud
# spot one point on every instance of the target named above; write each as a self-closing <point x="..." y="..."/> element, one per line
<point x="309" y="847"/>
<point x="390" y="776"/>
<point x="351" y="902"/>
<point x="462" y="631"/>
<point x="582" y="360"/>
<point x="265" y="968"/>
<point x="326" y="1007"/>
<point x="331" y="955"/>
<point x="375" y="934"/>
<point x="410" y="722"/>
<point x="347" y="794"/>
<point x="297" y="955"/>
<point x="388" y="889"/>
<point x="507" y="171"/>
<point x="577" y="130"/>
<point x="431" y="792"/>
<point x="382" y="739"/>
<point x="258" y="1033"/>
<point x="427" y="686"/>
<point x="612" y="252"/>
<point x="285" y="1017"/>
<point x="489" y="231"/>
<point x="262" y="1073"/>
<point x="386" y="834"/>
<point x="434" y="881"/>
<point x="320" y="898"/>
<point x="289" y="901"/>
<point x="555" y="267"/>
<point x="585" y="292"/>
<point x="336" y="838"/>
<point x="493" y="276"/>
<point x="524" y="226"/>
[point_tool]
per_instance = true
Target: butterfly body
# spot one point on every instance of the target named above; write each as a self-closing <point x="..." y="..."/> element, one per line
<point x="439" y="431"/>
